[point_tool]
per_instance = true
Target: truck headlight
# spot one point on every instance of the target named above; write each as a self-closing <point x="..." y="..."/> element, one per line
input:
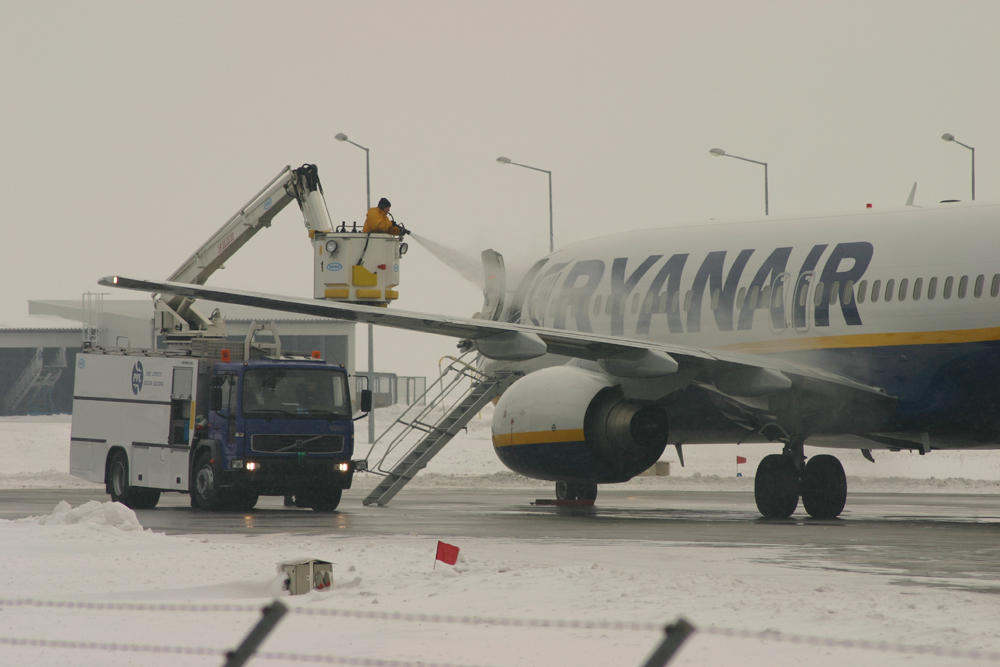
<point x="343" y="466"/>
<point x="253" y="465"/>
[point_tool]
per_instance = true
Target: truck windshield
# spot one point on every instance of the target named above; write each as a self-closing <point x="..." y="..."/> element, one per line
<point x="306" y="393"/>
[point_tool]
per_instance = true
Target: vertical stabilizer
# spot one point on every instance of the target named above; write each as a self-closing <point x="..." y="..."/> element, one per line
<point x="494" y="285"/>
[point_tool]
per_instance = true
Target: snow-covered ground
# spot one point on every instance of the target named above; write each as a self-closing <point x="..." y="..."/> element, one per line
<point x="131" y="596"/>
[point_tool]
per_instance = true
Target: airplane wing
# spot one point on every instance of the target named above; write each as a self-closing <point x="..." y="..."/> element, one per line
<point x="727" y="372"/>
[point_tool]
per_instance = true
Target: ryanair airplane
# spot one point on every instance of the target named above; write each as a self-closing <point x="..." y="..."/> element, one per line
<point x="868" y="331"/>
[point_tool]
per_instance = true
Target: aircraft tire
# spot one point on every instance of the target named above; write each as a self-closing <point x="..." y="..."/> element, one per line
<point x="776" y="486"/>
<point x="575" y="491"/>
<point x="824" y="487"/>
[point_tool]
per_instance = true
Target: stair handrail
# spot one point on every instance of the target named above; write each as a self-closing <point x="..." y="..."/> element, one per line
<point x="16" y="394"/>
<point x="458" y="370"/>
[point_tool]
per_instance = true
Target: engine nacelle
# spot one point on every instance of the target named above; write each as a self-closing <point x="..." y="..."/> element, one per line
<point x="569" y="423"/>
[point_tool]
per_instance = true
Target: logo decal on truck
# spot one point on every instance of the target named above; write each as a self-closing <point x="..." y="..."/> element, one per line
<point x="137" y="377"/>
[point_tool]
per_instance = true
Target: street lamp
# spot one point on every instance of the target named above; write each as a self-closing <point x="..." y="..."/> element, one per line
<point x="340" y="136"/>
<point x="722" y="153"/>
<point x="507" y="160"/>
<point x="948" y="136"/>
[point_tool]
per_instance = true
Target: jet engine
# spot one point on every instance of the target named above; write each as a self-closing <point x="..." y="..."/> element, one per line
<point x="569" y="423"/>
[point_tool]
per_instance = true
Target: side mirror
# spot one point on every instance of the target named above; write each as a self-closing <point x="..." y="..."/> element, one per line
<point x="366" y="400"/>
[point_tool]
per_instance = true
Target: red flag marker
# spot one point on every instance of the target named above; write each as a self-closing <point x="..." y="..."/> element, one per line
<point x="741" y="459"/>
<point x="446" y="553"/>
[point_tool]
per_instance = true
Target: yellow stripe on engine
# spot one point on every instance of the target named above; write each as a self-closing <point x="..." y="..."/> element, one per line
<point x="538" y="437"/>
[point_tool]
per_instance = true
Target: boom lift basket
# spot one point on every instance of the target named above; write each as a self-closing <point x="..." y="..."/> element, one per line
<point x="357" y="267"/>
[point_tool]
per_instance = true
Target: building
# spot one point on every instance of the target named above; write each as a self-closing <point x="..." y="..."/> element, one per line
<point x="37" y="359"/>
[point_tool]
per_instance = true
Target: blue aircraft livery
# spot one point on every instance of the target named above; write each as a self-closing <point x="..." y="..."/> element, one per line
<point x="561" y="294"/>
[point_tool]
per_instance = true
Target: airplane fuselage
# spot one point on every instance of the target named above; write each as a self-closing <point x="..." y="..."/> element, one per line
<point x="908" y="301"/>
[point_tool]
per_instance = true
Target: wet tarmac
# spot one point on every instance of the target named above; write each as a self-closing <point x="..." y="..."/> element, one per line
<point x="950" y="536"/>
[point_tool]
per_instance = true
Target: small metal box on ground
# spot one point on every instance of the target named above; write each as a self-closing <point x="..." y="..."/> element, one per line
<point x="302" y="576"/>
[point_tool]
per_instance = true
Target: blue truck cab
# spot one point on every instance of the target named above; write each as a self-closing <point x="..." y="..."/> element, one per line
<point x="274" y="427"/>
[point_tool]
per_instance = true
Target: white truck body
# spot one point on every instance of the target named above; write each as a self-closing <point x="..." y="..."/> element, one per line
<point x="143" y="404"/>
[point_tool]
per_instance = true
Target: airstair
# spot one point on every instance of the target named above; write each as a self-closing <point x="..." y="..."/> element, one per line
<point x="429" y="423"/>
<point x="32" y="391"/>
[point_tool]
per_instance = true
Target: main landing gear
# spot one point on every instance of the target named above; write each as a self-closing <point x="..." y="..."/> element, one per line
<point x="782" y="478"/>
<point x="576" y="491"/>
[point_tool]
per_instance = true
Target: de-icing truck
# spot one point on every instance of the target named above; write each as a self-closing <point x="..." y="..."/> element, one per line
<point x="227" y="423"/>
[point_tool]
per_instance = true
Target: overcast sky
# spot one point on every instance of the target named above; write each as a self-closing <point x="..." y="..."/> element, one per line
<point x="132" y="130"/>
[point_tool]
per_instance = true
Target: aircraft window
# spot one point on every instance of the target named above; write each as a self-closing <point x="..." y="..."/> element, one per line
<point x="917" y="286"/>
<point x="803" y="290"/>
<point x="847" y="296"/>
<point x="818" y="294"/>
<point x="715" y="299"/>
<point x="670" y="302"/>
<point x="890" y="285"/>
<point x="765" y="296"/>
<point x="995" y="286"/>
<point x="963" y="286"/>
<point x="903" y="284"/>
<point x="980" y="280"/>
<point x="755" y="296"/>
<point x="741" y="296"/>
<point x="862" y="290"/>
<point x="635" y="303"/>
<point x="607" y="305"/>
<point x="876" y="287"/>
<point x="597" y="304"/>
<point x="932" y="288"/>
<point x="946" y="292"/>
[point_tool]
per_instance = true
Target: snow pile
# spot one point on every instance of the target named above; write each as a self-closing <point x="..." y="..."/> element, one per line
<point x="102" y="517"/>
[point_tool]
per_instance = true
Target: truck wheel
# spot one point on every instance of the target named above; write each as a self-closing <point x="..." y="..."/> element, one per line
<point x="121" y="492"/>
<point x="204" y="493"/>
<point x="325" y="500"/>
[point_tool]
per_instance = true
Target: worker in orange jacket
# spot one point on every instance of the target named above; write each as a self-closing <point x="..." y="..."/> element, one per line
<point x="378" y="220"/>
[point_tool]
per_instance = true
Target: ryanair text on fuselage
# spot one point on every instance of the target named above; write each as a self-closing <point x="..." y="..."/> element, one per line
<point x="558" y="294"/>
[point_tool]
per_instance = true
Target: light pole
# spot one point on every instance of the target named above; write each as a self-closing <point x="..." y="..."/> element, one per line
<point x="340" y="136"/>
<point x="722" y="153"/>
<point x="948" y="136"/>
<point x="507" y="160"/>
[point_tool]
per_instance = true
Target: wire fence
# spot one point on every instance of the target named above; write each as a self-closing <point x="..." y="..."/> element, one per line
<point x="982" y="656"/>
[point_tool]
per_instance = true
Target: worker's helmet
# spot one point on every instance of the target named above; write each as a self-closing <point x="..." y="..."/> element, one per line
<point x="384" y="203"/>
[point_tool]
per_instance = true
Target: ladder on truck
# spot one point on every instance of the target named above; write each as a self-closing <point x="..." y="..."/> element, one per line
<point x="456" y="396"/>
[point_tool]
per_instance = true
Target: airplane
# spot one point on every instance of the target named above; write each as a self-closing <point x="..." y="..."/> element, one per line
<point x="873" y="330"/>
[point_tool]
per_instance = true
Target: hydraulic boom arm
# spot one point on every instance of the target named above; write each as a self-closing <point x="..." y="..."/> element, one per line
<point x="175" y="313"/>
